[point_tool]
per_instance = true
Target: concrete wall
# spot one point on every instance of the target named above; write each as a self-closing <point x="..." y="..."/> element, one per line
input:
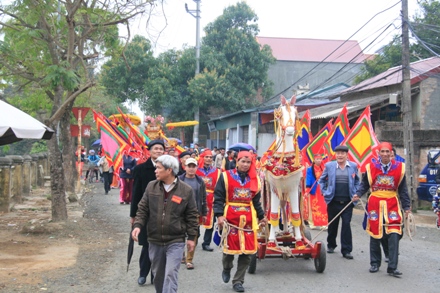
<point x="17" y="176"/>
<point x="430" y="104"/>
<point x="284" y="73"/>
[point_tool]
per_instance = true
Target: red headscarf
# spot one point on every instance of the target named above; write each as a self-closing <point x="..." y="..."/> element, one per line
<point x="385" y="145"/>
<point x="202" y="158"/>
<point x="252" y="170"/>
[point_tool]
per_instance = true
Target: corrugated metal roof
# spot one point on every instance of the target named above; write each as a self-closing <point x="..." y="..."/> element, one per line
<point x="333" y="110"/>
<point x="313" y="50"/>
<point x="420" y="70"/>
<point x="331" y="113"/>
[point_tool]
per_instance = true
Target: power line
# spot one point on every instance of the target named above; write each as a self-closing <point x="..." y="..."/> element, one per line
<point x="421" y="41"/>
<point x="355" y="57"/>
<point x="365" y="58"/>
<point x="321" y="62"/>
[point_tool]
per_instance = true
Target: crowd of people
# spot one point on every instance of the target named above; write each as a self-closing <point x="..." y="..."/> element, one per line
<point x="173" y="194"/>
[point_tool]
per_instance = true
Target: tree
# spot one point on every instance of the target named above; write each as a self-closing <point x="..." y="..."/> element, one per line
<point x="230" y="50"/>
<point x="124" y="78"/>
<point x="233" y="71"/>
<point x="389" y="56"/>
<point x="426" y="26"/>
<point x="50" y="49"/>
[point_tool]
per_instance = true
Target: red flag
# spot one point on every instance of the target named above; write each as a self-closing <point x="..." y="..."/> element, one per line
<point x="361" y="141"/>
<point x="139" y="140"/>
<point x="338" y="133"/>
<point x="316" y="146"/>
<point x="113" y="143"/>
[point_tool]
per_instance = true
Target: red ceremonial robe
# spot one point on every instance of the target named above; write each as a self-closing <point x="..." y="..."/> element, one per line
<point x="240" y="212"/>
<point x="383" y="204"/>
<point x="210" y="177"/>
<point x="315" y="202"/>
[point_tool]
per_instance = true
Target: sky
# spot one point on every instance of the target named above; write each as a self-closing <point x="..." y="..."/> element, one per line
<point x="319" y="19"/>
<point x="170" y="26"/>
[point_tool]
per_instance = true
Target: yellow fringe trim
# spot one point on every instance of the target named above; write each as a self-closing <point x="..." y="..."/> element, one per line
<point x="296" y="223"/>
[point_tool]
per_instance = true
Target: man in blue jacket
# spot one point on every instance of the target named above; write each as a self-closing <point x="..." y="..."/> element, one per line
<point x="339" y="183"/>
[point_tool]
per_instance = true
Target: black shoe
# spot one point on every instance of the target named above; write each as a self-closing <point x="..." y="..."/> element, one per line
<point x="226" y="275"/>
<point x="207" y="248"/>
<point x="347" y="256"/>
<point x="386" y="259"/>
<point x="142" y="280"/>
<point x="238" y="287"/>
<point x="395" y="273"/>
<point x="374" y="269"/>
<point x="330" y="250"/>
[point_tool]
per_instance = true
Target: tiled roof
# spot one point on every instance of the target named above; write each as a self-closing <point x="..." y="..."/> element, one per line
<point x="314" y="50"/>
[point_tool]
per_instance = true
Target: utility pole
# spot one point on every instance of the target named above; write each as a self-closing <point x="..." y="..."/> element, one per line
<point x="408" y="141"/>
<point x="197" y="16"/>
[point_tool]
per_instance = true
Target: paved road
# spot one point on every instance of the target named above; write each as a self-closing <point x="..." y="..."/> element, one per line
<point x="419" y="262"/>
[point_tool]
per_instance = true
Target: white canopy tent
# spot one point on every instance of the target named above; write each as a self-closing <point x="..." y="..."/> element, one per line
<point x="16" y="125"/>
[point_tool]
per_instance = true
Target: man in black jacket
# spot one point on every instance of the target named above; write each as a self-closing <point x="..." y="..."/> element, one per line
<point x="144" y="174"/>
<point x="199" y="188"/>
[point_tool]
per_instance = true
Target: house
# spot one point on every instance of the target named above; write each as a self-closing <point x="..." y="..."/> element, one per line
<point x="304" y="65"/>
<point x="308" y="64"/>
<point x="255" y="126"/>
<point x="425" y="102"/>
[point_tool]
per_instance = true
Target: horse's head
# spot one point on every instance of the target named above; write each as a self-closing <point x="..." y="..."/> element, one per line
<point x="286" y="116"/>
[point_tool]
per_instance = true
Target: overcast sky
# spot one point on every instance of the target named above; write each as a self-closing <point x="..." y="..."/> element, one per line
<point x="318" y="19"/>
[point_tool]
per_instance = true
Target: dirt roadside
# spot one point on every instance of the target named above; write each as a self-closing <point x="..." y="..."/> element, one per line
<point x="85" y="252"/>
<point x="35" y="253"/>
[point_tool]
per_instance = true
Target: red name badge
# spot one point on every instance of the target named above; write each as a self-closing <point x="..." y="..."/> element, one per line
<point x="176" y="199"/>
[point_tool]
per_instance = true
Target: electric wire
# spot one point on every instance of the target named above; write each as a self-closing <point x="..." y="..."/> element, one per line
<point x="306" y="74"/>
<point x="339" y="70"/>
<point x="352" y="77"/>
<point x="421" y="41"/>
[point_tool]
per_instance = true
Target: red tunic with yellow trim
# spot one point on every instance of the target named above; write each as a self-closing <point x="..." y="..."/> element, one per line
<point x="240" y="212"/>
<point x="383" y="203"/>
<point x="210" y="177"/>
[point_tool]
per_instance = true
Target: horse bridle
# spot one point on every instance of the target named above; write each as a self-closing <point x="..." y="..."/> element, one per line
<point x="278" y="114"/>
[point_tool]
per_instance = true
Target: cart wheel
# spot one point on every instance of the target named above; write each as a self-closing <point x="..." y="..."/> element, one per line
<point x="321" y="260"/>
<point x="307" y="234"/>
<point x="253" y="264"/>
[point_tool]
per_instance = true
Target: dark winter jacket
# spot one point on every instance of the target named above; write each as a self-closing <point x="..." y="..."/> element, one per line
<point x="170" y="223"/>
<point x="142" y="174"/>
<point x="128" y="162"/>
<point x="200" y="194"/>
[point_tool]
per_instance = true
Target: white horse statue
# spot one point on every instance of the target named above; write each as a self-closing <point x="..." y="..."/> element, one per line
<point x="283" y="172"/>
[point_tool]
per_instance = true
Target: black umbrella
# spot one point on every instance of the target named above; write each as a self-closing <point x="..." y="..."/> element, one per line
<point x="130" y="250"/>
<point x="241" y="146"/>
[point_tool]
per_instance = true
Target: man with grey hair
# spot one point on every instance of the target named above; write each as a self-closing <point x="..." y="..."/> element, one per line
<point x="169" y="211"/>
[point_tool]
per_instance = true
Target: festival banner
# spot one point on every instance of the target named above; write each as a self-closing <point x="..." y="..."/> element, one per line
<point x="304" y="133"/>
<point x="338" y="133"/>
<point x="361" y="141"/>
<point x="316" y="146"/>
<point x="113" y="142"/>
<point x="138" y="139"/>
